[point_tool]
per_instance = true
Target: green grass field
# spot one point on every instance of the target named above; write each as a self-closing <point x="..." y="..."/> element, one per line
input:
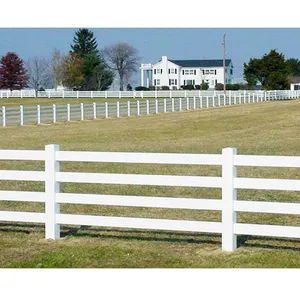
<point x="268" y="128"/>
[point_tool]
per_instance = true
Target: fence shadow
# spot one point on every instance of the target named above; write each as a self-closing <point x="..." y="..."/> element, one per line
<point x="259" y="242"/>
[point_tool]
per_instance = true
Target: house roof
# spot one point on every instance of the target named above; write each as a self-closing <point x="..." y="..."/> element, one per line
<point x="202" y="63"/>
<point x="294" y="79"/>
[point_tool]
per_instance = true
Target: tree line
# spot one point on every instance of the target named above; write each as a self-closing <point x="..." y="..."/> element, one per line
<point x="84" y="67"/>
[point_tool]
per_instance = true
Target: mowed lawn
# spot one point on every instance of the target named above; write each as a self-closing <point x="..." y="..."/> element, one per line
<point x="269" y="128"/>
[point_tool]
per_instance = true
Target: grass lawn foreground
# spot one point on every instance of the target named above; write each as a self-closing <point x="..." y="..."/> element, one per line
<point x="267" y="128"/>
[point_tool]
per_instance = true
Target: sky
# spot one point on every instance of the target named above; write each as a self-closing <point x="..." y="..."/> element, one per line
<point x="151" y="43"/>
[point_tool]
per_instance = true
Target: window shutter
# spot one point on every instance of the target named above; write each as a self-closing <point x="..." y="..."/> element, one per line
<point x="182" y="72"/>
<point x="175" y="71"/>
<point x="175" y="81"/>
<point x="193" y="82"/>
<point x="183" y="82"/>
<point x="154" y="81"/>
<point x="194" y="72"/>
<point x="154" y="71"/>
<point x="169" y="71"/>
<point x="169" y="81"/>
<point x="215" y="72"/>
<point x="160" y="71"/>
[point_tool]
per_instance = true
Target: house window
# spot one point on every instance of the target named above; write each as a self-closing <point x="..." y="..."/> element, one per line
<point x="172" y="81"/>
<point x="206" y="72"/>
<point x="157" y="82"/>
<point x="231" y="71"/>
<point x="189" y="72"/>
<point x="189" y="82"/>
<point x="159" y="71"/>
<point x="172" y="71"/>
<point x="212" y="72"/>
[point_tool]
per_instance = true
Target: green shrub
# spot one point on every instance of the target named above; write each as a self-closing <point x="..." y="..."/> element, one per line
<point x="142" y="88"/>
<point x="165" y="88"/>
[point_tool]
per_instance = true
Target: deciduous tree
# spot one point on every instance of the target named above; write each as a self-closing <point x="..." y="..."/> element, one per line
<point x="71" y="71"/>
<point x="123" y="59"/>
<point x="39" y="73"/>
<point x="13" y="74"/>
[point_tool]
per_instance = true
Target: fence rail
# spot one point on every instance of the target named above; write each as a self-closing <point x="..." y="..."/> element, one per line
<point x="229" y="183"/>
<point x="139" y="94"/>
<point x="26" y="114"/>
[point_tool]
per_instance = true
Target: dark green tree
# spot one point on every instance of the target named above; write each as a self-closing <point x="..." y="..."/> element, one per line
<point x="84" y="42"/>
<point x="270" y="70"/>
<point x="95" y="73"/>
<point x="293" y="66"/>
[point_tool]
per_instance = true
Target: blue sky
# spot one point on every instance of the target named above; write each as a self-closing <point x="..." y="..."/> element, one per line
<point x="152" y="43"/>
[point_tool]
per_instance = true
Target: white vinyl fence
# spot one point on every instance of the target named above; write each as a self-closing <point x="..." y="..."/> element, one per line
<point x="37" y="114"/>
<point x="229" y="183"/>
<point x="140" y="94"/>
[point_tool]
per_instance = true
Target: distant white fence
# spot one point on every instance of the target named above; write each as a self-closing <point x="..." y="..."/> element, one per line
<point x="141" y="94"/>
<point x="25" y="114"/>
<point x="228" y="183"/>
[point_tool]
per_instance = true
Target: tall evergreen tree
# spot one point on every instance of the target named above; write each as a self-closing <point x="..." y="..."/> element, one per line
<point x="84" y="42"/>
<point x="13" y="74"/>
<point x="95" y="73"/>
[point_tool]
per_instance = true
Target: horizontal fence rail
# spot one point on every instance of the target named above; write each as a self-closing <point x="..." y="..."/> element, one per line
<point x="228" y="205"/>
<point x="142" y="94"/>
<point x="30" y="114"/>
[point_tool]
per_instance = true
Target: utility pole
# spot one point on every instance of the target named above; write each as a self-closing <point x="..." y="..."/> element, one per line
<point x="224" y="65"/>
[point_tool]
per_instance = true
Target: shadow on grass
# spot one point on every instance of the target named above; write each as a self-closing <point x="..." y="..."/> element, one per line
<point x="160" y="236"/>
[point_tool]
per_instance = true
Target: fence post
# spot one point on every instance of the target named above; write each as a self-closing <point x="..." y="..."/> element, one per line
<point x="201" y="102"/>
<point x="54" y="113"/>
<point x="194" y="102"/>
<point x="173" y="105"/>
<point x="156" y="106"/>
<point x="142" y="94"/>
<point x="63" y="93"/>
<point x="38" y="114"/>
<point x="180" y="104"/>
<point x="105" y="94"/>
<point x="147" y="107"/>
<point x="21" y="94"/>
<point x="155" y="94"/>
<point x="106" y="110"/>
<point x="92" y="94"/>
<point x="21" y="115"/>
<point x="229" y="239"/>
<point x="4" y="116"/>
<point x="185" y="93"/>
<point x="82" y="112"/>
<point x="219" y="100"/>
<point x="69" y="112"/>
<point x="77" y="94"/>
<point x="170" y="93"/>
<point x="138" y="107"/>
<point x="165" y="105"/>
<point x="120" y="95"/>
<point x="95" y="110"/>
<point x="118" y="109"/>
<point x="128" y="108"/>
<point x="187" y="103"/>
<point x="51" y="188"/>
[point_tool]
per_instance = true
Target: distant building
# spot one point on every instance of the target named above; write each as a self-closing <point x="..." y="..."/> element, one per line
<point x="175" y="73"/>
<point x="295" y="83"/>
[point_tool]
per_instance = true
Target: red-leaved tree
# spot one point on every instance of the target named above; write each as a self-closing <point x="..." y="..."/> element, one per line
<point x="13" y="74"/>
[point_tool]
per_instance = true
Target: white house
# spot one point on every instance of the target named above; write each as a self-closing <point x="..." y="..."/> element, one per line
<point x="295" y="83"/>
<point x="175" y="73"/>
